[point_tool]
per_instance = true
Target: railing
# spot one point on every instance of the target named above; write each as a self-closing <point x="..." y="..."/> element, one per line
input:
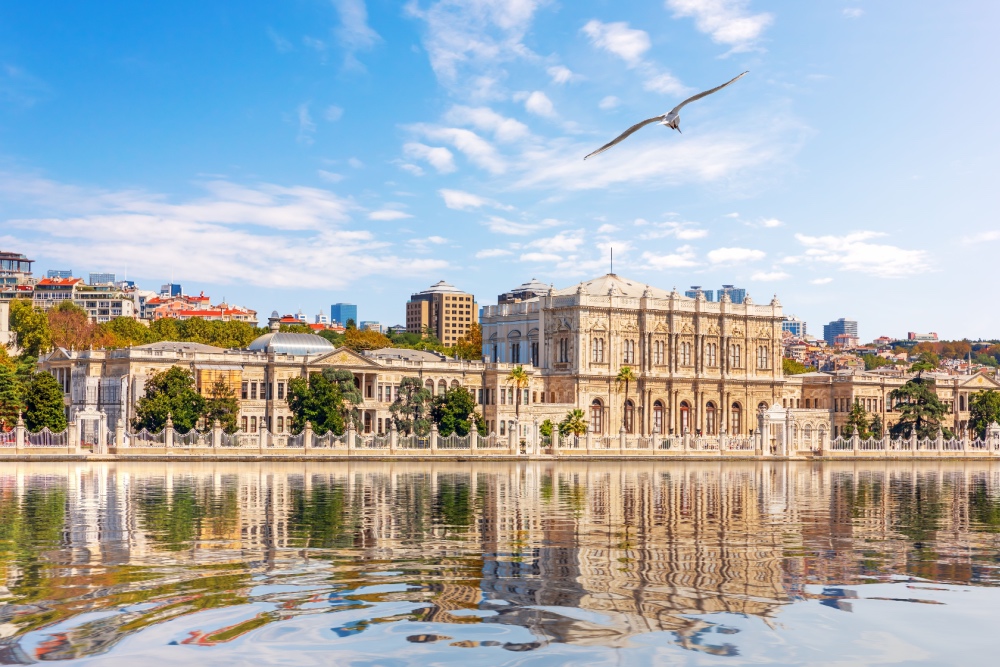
<point x="241" y="440"/>
<point x="740" y="444"/>
<point x="295" y="440"/>
<point x="193" y="438"/>
<point x="841" y="445"/>
<point x="329" y="440"/>
<point x="46" y="438"/>
<point x="871" y="445"/>
<point x="8" y="439"/>
<point x="414" y="441"/>
<point x="453" y="441"/>
<point x="493" y="441"/>
<point x="145" y="438"/>
<point x="371" y="441"/>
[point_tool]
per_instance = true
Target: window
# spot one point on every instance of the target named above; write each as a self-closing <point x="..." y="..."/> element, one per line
<point x="243" y="393"/>
<point x="597" y="416"/>
<point x="481" y="397"/>
<point x="503" y="427"/>
<point x="734" y="356"/>
<point x="685" y="354"/>
<point x="762" y="357"/>
<point x="598" y="350"/>
<point x="524" y="401"/>
<point x="281" y="424"/>
<point x="253" y="424"/>
<point x="629" y="416"/>
<point x="563" y="350"/>
<point x="243" y="422"/>
<point x="253" y="391"/>
<point x="659" y="355"/>
<point x="534" y="354"/>
<point x="711" y="425"/>
<point x="658" y="417"/>
<point x="281" y="391"/>
<point x="515" y="353"/>
<point x="736" y="419"/>
<point x="503" y="397"/>
<point x="711" y="354"/>
<point x="685" y="417"/>
<point x="628" y="353"/>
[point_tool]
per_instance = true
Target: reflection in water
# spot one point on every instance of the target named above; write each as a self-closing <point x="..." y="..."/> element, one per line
<point x="441" y="556"/>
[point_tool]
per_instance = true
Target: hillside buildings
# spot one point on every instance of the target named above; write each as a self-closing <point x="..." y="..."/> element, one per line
<point x="794" y="326"/>
<point x="444" y="310"/>
<point x="841" y="327"/>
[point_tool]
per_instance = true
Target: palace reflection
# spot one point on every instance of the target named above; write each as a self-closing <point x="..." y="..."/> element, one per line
<point x="589" y="554"/>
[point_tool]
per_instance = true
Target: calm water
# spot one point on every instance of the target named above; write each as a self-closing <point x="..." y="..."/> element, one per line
<point x="486" y="564"/>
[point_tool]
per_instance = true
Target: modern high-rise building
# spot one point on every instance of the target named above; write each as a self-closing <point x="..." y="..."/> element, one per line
<point x="444" y="310"/>
<point x="839" y="327"/>
<point x="171" y="289"/>
<point x="101" y="279"/>
<point x="794" y="326"/>
<point x="736" y="294"/>
<point x="59" y="273"/>
<point x="696" y="289"/>
<point x="341" y="312"/>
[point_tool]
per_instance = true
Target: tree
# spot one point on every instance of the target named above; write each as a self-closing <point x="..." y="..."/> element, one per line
<point x="295" y="328"/>
<point x="43" y="404"/>
<point x="350" y="324"/>
<point x="411" y="409"/>
<point x="222" y="405"/>
<point x="11" y="403"/>
<point x="358" y="340"/>
<point x="857" y="422"/>
<point x="126" y="332"/>
<point x="927" y="361"/>
<point x="625" y="377"/>
<point x="451" y="412"/>
<point x="350" y="394"/>
<point x="574" y="423"/>
<point x="794" y="367"/>
<point x="31" y="327"/>
<point x="318" y="400"/>
<point x="470" y="346"/>
<point x="876" y="429"/>
<point x="170" y="392"/>
<point x="546" y="428"/>
<point x="921" y="411"/>
<point x="984" y="407"/>
<point x="70" y="326"/>
<point x="519" y="378"/>
<point x="873" y="361"/>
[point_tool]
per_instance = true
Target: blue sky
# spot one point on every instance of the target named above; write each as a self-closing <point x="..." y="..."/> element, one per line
<point x="291" y="155"/>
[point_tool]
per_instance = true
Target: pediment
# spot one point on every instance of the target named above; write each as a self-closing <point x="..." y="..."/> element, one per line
<point x="979" y="381"/>
<point x="344" y="357"/>
<point x="661" y="328"/>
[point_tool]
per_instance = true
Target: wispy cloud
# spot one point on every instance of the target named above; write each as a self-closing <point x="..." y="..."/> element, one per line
<point x="821" y="281"/>
<point x="354" y="34"/>
<point x="307" y="127"/>
<point x="727" y="22"/>
<point x="770" y="276"/>
<point x="438" y="157"/>
<point x="560" y="74"/>
<point x="609" y="102"/>
<point x="479" y="151"/>
<point x="459" y="200"/>
<point x="684" y="231"/>
<point x="539" y="104"/>
<point x="493" y="252"/>
<point x="499" y="225"/>
<point x="333" y="113"/>
<point x="281" y="44"/>
<point x="855" y="252"/>
<point x="734" y="255"/>
<point x="631" y="44"/>
<point x="853" y="12"/>
<point x="387" y="214"/>
<point x="682" y="258"/>
<point x="502" y="128"/>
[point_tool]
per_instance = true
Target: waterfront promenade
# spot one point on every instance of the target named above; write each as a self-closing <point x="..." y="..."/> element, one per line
<point x="782" y="441"/>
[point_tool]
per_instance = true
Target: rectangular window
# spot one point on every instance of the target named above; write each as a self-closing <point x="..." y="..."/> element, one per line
<point x="480" y="397"/>
<point x="243" y="423"/>
<point x="503" y="398"/>
<point x="281" y="391"/>
<point x="253" y="424"/>
<point x="253" y="392"/>
<point x="281" y="424"/>
<point x="243" y="393"/>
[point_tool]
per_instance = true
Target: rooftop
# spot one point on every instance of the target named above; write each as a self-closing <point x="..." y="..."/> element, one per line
<point x="291" y="343"/>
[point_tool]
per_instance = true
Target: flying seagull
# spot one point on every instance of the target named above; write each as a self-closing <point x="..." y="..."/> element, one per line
<point x="671" y="119"/>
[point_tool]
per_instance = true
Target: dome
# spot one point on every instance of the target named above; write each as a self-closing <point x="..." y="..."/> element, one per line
<point x="291" y="343"/>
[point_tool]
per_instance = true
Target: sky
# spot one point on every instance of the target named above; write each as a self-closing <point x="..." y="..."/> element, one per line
<point x="291" y="155"/>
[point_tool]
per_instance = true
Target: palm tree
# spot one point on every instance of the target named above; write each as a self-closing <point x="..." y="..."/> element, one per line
<point x="625" y="376"/>
<point x="520" y="379"/>
<point x="574" y="423"/>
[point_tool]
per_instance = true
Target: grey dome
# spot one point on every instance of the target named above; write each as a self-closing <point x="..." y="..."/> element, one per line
<point x="291" y="343"/>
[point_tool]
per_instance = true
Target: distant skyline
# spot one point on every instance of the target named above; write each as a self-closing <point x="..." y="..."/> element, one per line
<point x="301" y="154"/>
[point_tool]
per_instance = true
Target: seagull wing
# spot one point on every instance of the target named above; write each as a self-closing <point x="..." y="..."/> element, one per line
<point x="625" y="134"/>
<point x="705" y="94"/>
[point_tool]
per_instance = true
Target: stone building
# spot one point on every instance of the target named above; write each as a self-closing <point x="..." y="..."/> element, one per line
<point x="445" y="310"/>
<point x="701" y="367"/>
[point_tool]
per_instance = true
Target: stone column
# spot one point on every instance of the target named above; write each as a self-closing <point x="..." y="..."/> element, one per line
<point x="473" y="434"/>
<point x="216" y="434"/>
<point x="621" y="440"/>
<point x="555" y="440"/>
<point x="513" y="434"/>
<point x="352" y="436"/>
<point x="535" y="438"/>
<point x="168" y="436"/>
<point x="939" y="441"/>
<point x="307" y="436"/>
<point x="590" y="439"/>
<point x="993" y="438"/>
<point x="434" y="438"/>
<point x="19" y="434"/>
<point x="73" y="437"/>
<point x="120" y="435"/>
<point x="856" y="443"/>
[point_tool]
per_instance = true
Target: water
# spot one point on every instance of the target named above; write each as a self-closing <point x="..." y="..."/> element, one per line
<point x="485" y="564"/>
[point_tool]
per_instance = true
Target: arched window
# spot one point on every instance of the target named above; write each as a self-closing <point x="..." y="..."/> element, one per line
<point x="736" y="419"/>
<point x="658" y="352"/>
<point x="442" y="387"/>
<point x="658" y="417"/>
<point x="734" y="356"/>
<point x="629" y="416"/>
<point x="762" y="357"/>
<point x="711" y="354"/>
<point x="597" y="416"/>
<point x="711" y="425"/>
<point x="762" y="406"/>
<point x="429" y="385"/>
<point x="685" y="354"/>
<point x="628" y="353"/>
<point x="685" y="417"/>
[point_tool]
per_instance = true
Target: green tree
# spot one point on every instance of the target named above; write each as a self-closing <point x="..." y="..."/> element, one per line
<point x="519" y="379"/>
<point x="318" y="400"/>
<point x="31" y="326"/>
<point x="574" y="423"/>
<point x="927" y="361"/>
<point x="337" y="339"/>
<point x="295" y="328"/>
<point x="873" y="361"/>
<point x="984" y="409"/>
<point x="128" y="331"/>
<point x="857" y="422"/>
<point x="546" y="428"/>
<point x="411" y="409"/>
<point x="625" y="377"/>
<point x="921" y="411"/>
<point x="166" y="328"/>
<point x="350" y="394"/>
<point x="11" y="402"/>
<point x="794" y="367"/>
<point x="170" y="392"/>
<point x="451" y="412"/>
<point x="350" y="324"/>
<point x="877" y="428"/>
<point x="470" y="346"/>
<point x="43" y="404"/>
<point x="221" y="404"/>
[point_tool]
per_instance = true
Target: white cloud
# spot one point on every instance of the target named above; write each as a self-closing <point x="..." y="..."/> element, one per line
<point x="387" y="214"/>
<point x="607" y="229"/>
<point x="568" y="241"/>
<point x="853" y="252"/>
<point x="483" y="118"/>
<point x="479" y="151"/>
<point x="682" y="258"/>
<point x="540" y="257"/>
<point x="500" y="225"/>
<point x="333" y="113"/>
<point x="437" y="240"/>
<point x="821" y="281"/>
<point x="726" y="21"/>
<point x="853" y="12"/>
<point x="769" y="276"/>
<point x="438" y="157"/>
<point x="459" y="200"/>
<point x="306" y="125"/>
<point x="684" y="231"/>
<point x="665" y="83"/>
<point x="771" y="223"/>
<point x="355" y="163"/>
<point x="281" y="44"/>
<point x="329" y="176"/>
<point x="618" y="39"/>
<point x="354" y="33"/>
<point x="560" y="74"/>
<point x="609" y="102"/>
<point x="492" y="252"/>
<point x="539" y="104"/>
<point x="234" y="233"/>
<point x="411" y="168"/>
<point x="985" y="236"/>
<point x="734" y="255"/>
